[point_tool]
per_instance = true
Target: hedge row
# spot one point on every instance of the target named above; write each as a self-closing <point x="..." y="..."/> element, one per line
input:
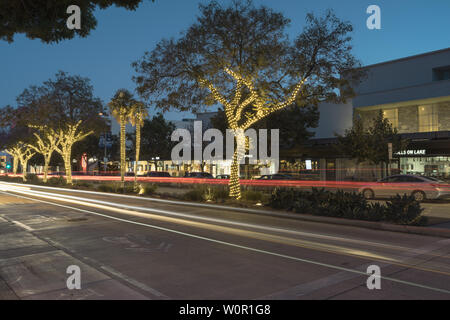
<point x="399" y="209"/>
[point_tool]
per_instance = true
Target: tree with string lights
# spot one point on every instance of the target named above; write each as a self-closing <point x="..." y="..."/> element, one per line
<point x="138" y="114"/>
<point x="67" y="136"/>
<point x="121" y="106"/>
<point x="45" y="143"/>
<point x="22" y="153"/>
<point x="240" y="57"/>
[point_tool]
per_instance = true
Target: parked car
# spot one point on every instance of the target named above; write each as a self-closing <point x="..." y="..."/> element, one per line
<point x="419" y="187"/>
<point x="202" y="175"/>
<point x="277" y="176"/>
<point x="223" y="176"/>
<point x="158" y="174"/>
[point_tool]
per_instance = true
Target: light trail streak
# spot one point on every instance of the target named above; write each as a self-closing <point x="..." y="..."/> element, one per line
<point x="334" y="249"/>
<point x="242" y="247"/>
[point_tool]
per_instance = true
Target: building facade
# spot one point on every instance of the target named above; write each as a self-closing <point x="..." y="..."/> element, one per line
<point x="414" y="95"/>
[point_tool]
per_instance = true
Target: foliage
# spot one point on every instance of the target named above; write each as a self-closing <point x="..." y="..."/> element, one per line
<point x="340" y="204"/>
<point x="405" y="210"/>
<point x="8" y="178"/>
<point x="251" y="195"/>
<point x="66" y="99"/>
<point x="147" y="188"/>
<point x="206" y="193"/>
<point x="46" y="19"/>
<point x="116" y="187"/>
<point x="371" y="143"/>
<point x="293" y="123"/>
<point x="57" y="181"/>
<point x="32" y="178"/>
<point x="155" y="138"/>
<point x="241" y="57"/>
<point x="121" y="107"/>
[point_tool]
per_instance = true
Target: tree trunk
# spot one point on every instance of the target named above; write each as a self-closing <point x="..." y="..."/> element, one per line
<point x="46" y="162"/>
<point x="24" y="169"/>
<point x="138" y="150"/>
<point x="15" y="165"/>
<point x="68" y="165"/>
<point x="235" y="184"/>
<point x="122" y="151"/>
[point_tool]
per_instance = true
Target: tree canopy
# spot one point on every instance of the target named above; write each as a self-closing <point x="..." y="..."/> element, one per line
<point x="155" y="139"/>
<point x="251" y="43"/>
<point x="371" y="143"/>
<point x="240" y="57"/>
<point x="57" y="102"/>
<point x="46" y="19"/>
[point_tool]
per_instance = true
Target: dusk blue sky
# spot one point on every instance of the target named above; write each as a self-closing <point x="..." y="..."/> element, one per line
<point x="409" y="27"/>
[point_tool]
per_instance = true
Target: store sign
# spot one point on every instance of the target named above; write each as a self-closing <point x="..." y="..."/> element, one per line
<point x="411" y="152"/>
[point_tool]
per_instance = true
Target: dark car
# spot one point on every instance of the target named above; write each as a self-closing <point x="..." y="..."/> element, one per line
<point x="277" y="176"/>
<point x="201" y="175"/>
<point x="158" y="174"/>
<point x="223" y="176"/>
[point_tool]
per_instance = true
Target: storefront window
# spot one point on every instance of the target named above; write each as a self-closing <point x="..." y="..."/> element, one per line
<point x="392" y="116"/>
<point x="427" y="166"/>
<point x="428" y="118"/>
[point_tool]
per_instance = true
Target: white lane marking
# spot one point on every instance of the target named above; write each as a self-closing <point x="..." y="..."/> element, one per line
<point x="20" y="224"/>
<point x="309" y="287"/>
<point x="326" y="265"/>
<point x="192" y="204"/>
<point x="218" y="220"/>
<point x="135" y="282"/>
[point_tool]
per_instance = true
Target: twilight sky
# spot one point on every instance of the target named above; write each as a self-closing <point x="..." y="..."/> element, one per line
<point x="409" y="27"/>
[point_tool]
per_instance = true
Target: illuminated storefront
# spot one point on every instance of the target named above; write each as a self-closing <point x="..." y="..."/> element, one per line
<point x="429" y="157"/>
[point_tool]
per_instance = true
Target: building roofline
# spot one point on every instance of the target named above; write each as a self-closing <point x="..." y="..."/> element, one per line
<point x="407" y="58"/>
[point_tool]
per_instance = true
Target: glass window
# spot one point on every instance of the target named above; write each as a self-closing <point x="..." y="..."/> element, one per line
<point x="428" y="118"/>
<point x="392" y="116"/>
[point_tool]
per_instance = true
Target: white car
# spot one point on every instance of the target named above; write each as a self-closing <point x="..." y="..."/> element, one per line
<point x="419" y="187"/>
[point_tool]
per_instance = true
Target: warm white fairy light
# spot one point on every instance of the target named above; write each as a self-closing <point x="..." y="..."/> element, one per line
<point x="234" y="113"/>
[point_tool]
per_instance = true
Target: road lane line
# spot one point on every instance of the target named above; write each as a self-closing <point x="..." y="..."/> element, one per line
<point x="229" y="222"/>
<point x="339" y="250"/>
<point x="20" y="224"/>
<point x="326" y="265"/>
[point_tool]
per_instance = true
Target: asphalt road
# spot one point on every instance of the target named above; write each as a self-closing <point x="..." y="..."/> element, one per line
<point x="135" y="248"/>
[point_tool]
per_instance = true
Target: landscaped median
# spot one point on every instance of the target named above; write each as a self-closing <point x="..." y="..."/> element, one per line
<point x="402" y="214"/>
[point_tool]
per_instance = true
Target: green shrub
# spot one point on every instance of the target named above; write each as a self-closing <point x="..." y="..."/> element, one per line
<point x="207" y="193"/>
<point x="250" y="195"/>
<point x="82" y="185"/>
<point x="57" y="181"/>
<point x="106" y="188"/>
<point x="32" y="178"/>
<point x="404" y="210"/>
<point x="116" y="187"/>
<point x="147" y="188"/>
<point x="194" y="195"/>
<point x="400" y="210"/>
<point x="7" y="178"/>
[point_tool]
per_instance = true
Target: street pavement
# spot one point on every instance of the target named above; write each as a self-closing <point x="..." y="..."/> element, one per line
<point x="139" y="248"/>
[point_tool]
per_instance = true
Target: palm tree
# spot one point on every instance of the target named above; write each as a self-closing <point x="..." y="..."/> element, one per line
<point x="138" y="114"/>
<point x="120" y="107"/>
